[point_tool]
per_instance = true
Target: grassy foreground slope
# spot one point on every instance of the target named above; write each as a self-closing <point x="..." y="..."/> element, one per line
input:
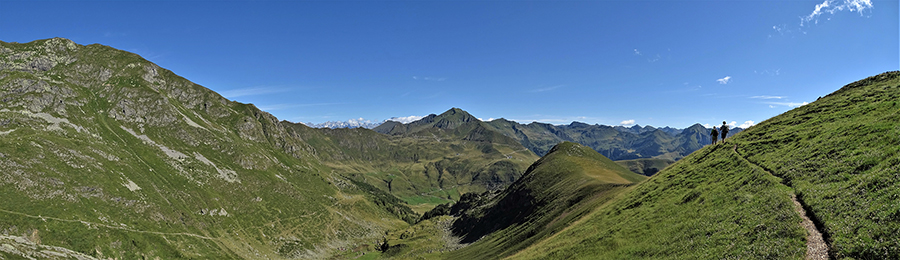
<point x="709" y="205"/>
<point x="838" y="154"/>
<point x="842" y="155"/>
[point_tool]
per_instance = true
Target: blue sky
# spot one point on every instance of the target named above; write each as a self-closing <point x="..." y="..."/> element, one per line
<point x="660" y="63"/>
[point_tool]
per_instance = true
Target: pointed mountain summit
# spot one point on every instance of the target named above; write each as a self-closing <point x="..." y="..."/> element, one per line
<point x="455" y="123"/>
<point x="451" y="119"/>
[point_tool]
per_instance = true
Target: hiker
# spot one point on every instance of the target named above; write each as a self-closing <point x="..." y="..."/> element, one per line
<point x="715" y="135"/>
<point x="724" y="131"/>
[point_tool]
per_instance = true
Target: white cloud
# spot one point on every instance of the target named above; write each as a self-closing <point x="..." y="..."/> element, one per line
<point x="559" y="119"/>
<point x="545" y="89"/>
<point x="627" y="122"/>
<point x="360" y="121"/>
<point x="747" y="124"/>
<point x="707" y="125"/>
<point x="429" y="78"/>
<point x="768" y="72"/>
<point x="637" y="52"/>
<point x="788" y="104"/>
<point x="241" y="92"/>
<point x="724" y="80"/>
<point x="405" y="119"/>
<point x="833" y="6"/>
<point x="768" y="97"/>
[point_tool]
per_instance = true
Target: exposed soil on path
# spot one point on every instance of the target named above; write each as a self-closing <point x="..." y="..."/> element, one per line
<point x="816" y="248"/>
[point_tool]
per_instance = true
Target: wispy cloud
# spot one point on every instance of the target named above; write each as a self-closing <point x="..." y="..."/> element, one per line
<point x="558" y="119"/>
<point x="833" y="6"/>
<point x="768" y="97"/>
<point x="429" y="78"/>
<point x="724" y="80"/>
<point x="405" y="119"/>
<point x="787" y="104"/>
<point x="768" y="72"/>
<point x="627" y="122"/>
<point x="545" y="89"/>
<point x="242" y="92"/>
<point x="637" y="52"/>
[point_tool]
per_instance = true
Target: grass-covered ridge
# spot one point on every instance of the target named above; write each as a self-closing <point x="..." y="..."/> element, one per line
<point x="842" y="155"/>
<point x="839" y="155"/>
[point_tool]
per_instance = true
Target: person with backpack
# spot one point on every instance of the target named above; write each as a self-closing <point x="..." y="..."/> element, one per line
<point x="714" y="135"/>
<point x="724" y="131"/>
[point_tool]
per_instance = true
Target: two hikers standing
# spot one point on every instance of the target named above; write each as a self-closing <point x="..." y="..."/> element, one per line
<point x="715" y="133"/>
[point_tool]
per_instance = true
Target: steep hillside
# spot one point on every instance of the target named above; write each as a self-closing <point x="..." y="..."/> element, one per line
<point x="842" y="156"/>
<point x="617" y="143"/>
<point x="839" y="156"/>
<point x="559" y="188"/>
<point x="108" y="155"/>
<point x="646" y="167"/>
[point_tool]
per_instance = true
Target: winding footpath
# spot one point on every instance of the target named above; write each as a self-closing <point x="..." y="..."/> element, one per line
<point x="816" y="248"/>
<point x="90" y="224"/>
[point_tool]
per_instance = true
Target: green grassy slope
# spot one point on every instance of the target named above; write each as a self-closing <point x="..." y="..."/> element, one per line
<point x="709" y="205"/>
<point x="646" y="166"/>
<point x="842" y="155"/>
<point x="106" y="154"/>
<point x="557" y="189"/>
<point x="838" y="154"/>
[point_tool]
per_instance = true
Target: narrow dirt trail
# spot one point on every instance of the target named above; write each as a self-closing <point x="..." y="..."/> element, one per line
<point x="90" y="224"/>
<point x="816" y="248"/>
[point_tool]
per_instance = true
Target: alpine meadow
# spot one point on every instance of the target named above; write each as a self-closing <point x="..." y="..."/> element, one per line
<point x="516" y="130"/>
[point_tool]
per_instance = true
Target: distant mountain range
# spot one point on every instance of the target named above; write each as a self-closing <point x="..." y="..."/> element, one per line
<point x="352" y="123"/>
<point x="361" y="122"/>
<point x="614" y="142"/>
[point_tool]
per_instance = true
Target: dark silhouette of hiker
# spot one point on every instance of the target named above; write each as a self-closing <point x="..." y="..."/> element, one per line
<point x="724" y="131"/>
<point x="715" y="135"/>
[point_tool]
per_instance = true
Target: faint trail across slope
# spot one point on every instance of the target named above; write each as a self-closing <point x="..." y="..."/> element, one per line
<point x="816" y="248"/>
<point x="109" y="226"/>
